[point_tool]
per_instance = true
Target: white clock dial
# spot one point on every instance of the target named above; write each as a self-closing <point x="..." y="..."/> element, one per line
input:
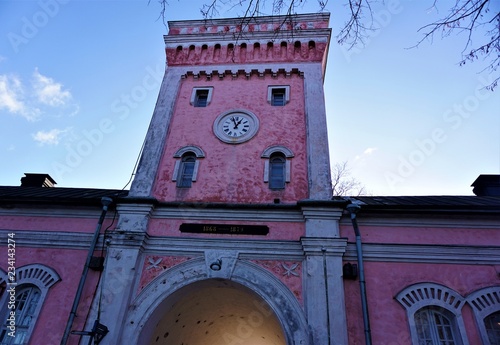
<point x="236" y="126"/>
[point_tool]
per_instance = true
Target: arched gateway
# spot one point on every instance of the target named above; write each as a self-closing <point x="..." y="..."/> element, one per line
<point x="192" y="304"/>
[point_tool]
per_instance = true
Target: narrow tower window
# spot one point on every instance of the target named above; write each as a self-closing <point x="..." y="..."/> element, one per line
<point x="201" y="96"/>
<point x="277" y="166"/>
<point x="277" y="171"/>
<point x="278" y="96"/>
<point x="186" y="165"/>
<point x="186" y="170"/>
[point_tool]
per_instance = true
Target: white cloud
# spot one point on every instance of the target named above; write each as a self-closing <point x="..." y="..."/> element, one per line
<point x="370" y="150"/>
<point x="51" y="137"/>
<point x="48" y="91"/>
<point x="11" y="98"/>
<point x="365" y="153"/>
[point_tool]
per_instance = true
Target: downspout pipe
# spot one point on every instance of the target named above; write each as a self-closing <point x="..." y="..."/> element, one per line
<point x="353" y="210"/>
<point x="105" y="201"/>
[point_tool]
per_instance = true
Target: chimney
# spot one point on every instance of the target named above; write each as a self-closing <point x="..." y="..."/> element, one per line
<point x="487" y="185"/>
<point x="37" y="180"/>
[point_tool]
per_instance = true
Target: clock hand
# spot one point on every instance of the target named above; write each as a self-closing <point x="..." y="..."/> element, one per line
<point x="234" y="122"/>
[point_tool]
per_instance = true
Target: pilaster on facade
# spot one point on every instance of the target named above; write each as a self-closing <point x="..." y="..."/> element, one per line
<point x="133" y="217"/>
<point x="324" y="290"/>
<point x="321" y="220"/>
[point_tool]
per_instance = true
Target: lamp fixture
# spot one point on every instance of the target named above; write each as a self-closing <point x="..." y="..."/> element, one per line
<point x="216" y="265"/>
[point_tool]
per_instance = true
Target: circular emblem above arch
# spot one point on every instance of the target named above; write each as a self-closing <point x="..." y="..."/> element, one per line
<point x="185" y="304"/>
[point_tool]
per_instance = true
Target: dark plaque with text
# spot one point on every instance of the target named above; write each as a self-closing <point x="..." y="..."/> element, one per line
<point x="225" y="229"/>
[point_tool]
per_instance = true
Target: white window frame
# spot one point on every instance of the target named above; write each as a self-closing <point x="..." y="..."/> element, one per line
<point x="198" y="152"/>
<point x="431" y="295"/>
<point x="34" y="275"/>
<point x="288" y="156"/>
<point x="274" y="87"/>
<point x="193" y="99"/>
<point x="484" y="302"/>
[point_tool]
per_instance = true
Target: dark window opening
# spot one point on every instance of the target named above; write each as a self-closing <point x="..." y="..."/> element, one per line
<point x="201" y="98"/>
<point x="278" y="97"/>
<point x="186" y="170"/>
<point x="277" y="171"/>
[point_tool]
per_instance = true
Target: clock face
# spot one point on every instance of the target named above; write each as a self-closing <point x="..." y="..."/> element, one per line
<point x="236" y="126"/>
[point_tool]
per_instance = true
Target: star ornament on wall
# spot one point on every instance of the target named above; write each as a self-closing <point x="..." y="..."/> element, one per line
<point x="290" y="270"/>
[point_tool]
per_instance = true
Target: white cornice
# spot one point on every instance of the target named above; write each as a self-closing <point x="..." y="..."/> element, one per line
<point x="306" y="17"/>
<point x="201" y="213"/>
<point x="411" y="221"/>
<point x="317" y="35"/>
<point x="442" y="254"/>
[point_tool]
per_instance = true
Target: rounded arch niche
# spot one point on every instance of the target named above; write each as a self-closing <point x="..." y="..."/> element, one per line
<point x="188" y="304"/>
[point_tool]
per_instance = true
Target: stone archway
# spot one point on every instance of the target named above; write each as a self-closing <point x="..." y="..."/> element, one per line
<point x="213" y="312"/>
<point x="187" y="301"/>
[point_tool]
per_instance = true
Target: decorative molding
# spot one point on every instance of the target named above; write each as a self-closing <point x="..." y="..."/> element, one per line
<point x="324" y="246"/>
<point x="421" y="295"/>
<point x="456" y="220"/>
<point x="245" y="70"/>
<point x="77" y="212"/>
<point x="277" y="148"/>
<point x="444" y="254"/>
<point x="195" y="149"/>
<point x="202" y="212"/>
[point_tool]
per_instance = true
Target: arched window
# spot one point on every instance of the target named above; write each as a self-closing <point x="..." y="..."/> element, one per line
<point x="486" y="306"/>
<point x="492" y="325"/>
<point x="186" y="167"/>
<point x="186" y="170"/>
<point x="277" y="166"/>
<point x="32" y="284"/>
<point x="277" y="171"/>
<point x="27" y="302"/>
<point x="434" y="314"/>
<point x="435" y="327"/>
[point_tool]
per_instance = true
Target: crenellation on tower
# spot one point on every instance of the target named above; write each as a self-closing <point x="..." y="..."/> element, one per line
<point x="263" y="40"/>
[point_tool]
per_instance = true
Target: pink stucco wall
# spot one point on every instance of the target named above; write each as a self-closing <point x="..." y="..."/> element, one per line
<point x="423" y="235"/>
<point x="55" y="310"/>
<point x="234" y="173"/>
<point x="44" y="223"/>
<point x="384" y="280"/>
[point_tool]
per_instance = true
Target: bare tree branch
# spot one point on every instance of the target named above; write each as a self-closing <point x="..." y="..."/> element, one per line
<point x="343" y="184"/>
<point x="469" y="16"/>
<point x="472" y="16"/>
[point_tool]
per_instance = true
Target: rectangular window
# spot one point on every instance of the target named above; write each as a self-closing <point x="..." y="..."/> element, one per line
<point x="201" y="97"/>
<point x="278" y="96"/>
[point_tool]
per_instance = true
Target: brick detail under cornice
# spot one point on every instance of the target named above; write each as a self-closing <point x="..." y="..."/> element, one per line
<point x="246" y="52"/>
<point x="247" y="73"/>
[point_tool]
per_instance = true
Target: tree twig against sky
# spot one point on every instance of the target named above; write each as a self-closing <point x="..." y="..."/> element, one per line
<point x="469" y="16"/>
<point x="343" y="183"/>
<point x="479" y="18"/>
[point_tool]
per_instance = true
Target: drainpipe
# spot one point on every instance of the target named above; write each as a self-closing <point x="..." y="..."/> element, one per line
<point x="105" y="201"/>
<point x="353" y="209"/>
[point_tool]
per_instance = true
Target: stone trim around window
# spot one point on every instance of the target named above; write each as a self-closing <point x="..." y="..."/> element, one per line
<point x="198" y="152"/>
<point x="422" y="295"/>
<point x="37" y="275"/>
<point x="484" y="302"/>
<point x="277" y="149"/>
<point x="272" y="89"/>
<point x="206" y="91"/>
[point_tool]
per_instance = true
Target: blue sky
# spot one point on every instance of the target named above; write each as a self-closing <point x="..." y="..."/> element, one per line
<point x="79" y="81"/>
